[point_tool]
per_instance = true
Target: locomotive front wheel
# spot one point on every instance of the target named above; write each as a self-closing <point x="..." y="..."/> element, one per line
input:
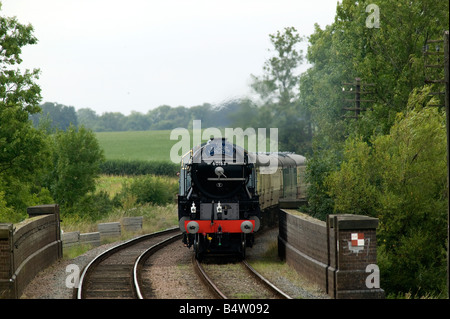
<point x="197" y="248"/>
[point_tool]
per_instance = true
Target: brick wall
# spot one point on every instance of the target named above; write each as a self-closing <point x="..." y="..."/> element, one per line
<point x="5" y="260"/>
<point x="34" y="244"/>
<point x="333" y="254"/>
<point x="302" y="242"/>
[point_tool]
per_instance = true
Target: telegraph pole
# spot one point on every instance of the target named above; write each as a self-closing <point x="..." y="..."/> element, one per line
<point x="447" y="114"/>
<point x="358" y="89"/>
<point x="436" y="63"/>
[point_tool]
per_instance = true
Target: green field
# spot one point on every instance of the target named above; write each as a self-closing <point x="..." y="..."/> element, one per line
<point x="138" y="145"/>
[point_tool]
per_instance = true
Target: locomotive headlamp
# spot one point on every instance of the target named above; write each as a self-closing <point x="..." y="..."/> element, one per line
<point x="219" y="211"/>
<point x="193" y="210"/>
<point x="219" y="208"/>
<point x="220" y="172"/>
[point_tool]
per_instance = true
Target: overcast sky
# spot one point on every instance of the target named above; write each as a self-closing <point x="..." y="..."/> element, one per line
<point x="120" y="56"/>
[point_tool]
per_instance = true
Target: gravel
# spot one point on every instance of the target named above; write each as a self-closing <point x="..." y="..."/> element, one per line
<point x="170" y="276"/>
<point x="169" y="273"/>
<point x="281" y="274"/>
<point x="51" y="282"/>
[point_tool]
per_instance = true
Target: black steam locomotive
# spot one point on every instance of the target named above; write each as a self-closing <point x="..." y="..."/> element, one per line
<point x="219" y="202"/>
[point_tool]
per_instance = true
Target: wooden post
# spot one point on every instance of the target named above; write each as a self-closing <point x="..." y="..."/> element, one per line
<point x="357" y="97"/>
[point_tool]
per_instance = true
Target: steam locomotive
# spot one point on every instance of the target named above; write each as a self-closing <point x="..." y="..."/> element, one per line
<point x="227" y="194"/>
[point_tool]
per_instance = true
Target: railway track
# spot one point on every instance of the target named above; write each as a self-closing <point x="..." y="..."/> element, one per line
<point x="219" y="278"/>
<point x="115" y="272"/>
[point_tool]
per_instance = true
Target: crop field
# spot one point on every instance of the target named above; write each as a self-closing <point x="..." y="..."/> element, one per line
<point x="139" y="145"/>
<point x="136" y="145"/>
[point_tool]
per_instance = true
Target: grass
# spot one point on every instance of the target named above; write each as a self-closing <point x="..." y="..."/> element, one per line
<point x="155" y="217"/>
<point x="112" y="184"/>
<point x="75" y="250"/>
<point x="270" y="266"/>
<point x="142" y="145"/>
<point x="136" y="145"/>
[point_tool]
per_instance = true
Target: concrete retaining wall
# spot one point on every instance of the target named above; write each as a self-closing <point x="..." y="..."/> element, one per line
<point x="108" y="230"/>
<point x="132" y="223"/>
<point x="105" y="231"/>
<point x="93" y="239"/>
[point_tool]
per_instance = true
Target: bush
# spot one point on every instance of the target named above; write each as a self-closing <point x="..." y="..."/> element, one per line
<point x="137" y="167"/>
<point x="149" y="189"/>
<point x="6" y="213"/>
<point x="88" y="210"/>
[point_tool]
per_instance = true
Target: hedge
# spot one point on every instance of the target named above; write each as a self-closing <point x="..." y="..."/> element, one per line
<point x="137" y="167"/>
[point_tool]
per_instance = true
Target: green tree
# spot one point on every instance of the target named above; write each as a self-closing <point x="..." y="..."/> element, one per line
<point x="137" y="122"/>
<point x="23" y="149"/>
<point x="353" y="186"/>
<point x="76" y="163"/>
<point x="280" y="80"/>
<point x="390" y="57"/>
<point x="87" y="118"/>
<point x="277" y="89"/>
<point x="60" y="116"/>
<point x="401" y="179"/>
<point x="111" y="122"/>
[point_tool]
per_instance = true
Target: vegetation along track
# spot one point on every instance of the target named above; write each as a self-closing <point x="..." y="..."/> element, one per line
<point x="115" y="272"/>
<point x="227" y="279"/>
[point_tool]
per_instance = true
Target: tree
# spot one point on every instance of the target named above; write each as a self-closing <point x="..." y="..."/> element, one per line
<point x="76" y="163"/>
<point x="390" y="57"/>
<point x="278" y="91"/>
<point x="59" y="116"/>
<point x="280" y="81"/>
<point x="87" y="118"/>
<point x="24" y="150"/>
<point x="401" y="179"/>
<point x="137" y="122"/>
<point x="111" y="122"/>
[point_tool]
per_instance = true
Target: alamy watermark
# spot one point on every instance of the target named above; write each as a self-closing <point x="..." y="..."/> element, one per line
<point x="257" y="140"/>
<point x="373" y="280"/>
<point x="373" y="19"/>
<point x="73" y="278"/>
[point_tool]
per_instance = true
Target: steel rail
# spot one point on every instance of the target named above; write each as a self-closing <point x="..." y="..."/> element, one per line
<point x="206" y="279"/>
<point x="219" y="294"/>
<point x="100" y="257"/>
<point x="140" y="261"/>
<point x="266" y="282"/>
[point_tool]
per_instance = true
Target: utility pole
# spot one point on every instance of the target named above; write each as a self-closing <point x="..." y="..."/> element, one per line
<point x="436" y="63"/>
<point x="447" y="112"/>
<point x="358" y="89"/>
